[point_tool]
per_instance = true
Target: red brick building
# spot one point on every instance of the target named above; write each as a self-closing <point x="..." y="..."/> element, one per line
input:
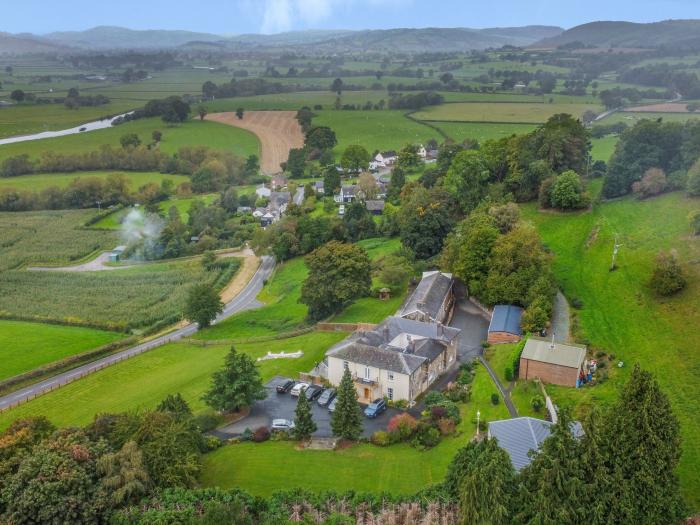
<point x="554" y="363"/>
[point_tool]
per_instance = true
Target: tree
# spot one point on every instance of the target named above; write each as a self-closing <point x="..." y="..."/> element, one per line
<point x="567" y="192"/>
<point x="467" y="179"/>
<point x="693" y="184"/>
<point x="236" y="385"/>
<point x="296" y="163"/>
<point x="408" y="157"/>
<point x="694" y="219"/>
<point x="156" y="136"/>
<point x="331" y="181"/>
<point x="367" y="184"/>
<point x="346" y="420"/>
<point x="176" y="405"/>
<point x="229" y="200"/>
<point x="446" y="78"/>
<point x="355" y="158"/>
<point x="396" y="184"/>
<point x="203" y="305"/>
<point x="358" y="222"/>
<point x="130" y="140"/>
<point x="304" y="424"/>
<point x="321" y="137"/>
<point x="667" y="277"/>
<point x="425" y="218"/>
<point x="202" y="112"/>
<point x="239" y="113"/>
<point x="337" y="86"/>
<point x="652" y="183"/>
<point x="17" y="95"/>
<point x="125" y="478"/>
<point x="339" y="273"/>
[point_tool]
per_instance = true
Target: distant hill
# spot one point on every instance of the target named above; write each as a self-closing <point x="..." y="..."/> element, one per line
<point x="108" y="37"/>
<point x="627" y="34"/>
<point x="27" y="44"/>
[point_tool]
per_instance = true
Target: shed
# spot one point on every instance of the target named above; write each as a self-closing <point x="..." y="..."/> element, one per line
<point x="375" y="207"/>
<point x="505" y="324"/>
<point x="116" y="253"/>
<point x="552" y="362"/>
<point x="384" y="294"/>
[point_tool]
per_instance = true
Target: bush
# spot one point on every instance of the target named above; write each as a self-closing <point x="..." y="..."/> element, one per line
<point x="438" y="412"/>
<point x="433" y="398"/>
<point x="446" y="426"/>
<point x="495" y="399"/>
<point x="426" y="437"/>
<point x="381" y="438"/>
<point x="577" y="303"/>
<point x="537" y="403"/>
<point x="652" y="183"/>
<point x="207" y="422"/>
<point x="212" y="442"/>
<point x="458" y="393"/>
<point x="509" y="373"/>
<point x="667" y="277"/>
<point x="247" y="435"/>
<point x="261" y="434"/>
<point x="401" y="427"/>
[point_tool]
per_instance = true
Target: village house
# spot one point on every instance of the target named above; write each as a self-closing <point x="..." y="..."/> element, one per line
<point x="505" y="324"/>
<point x="347" y="194"/>
<point x="375" y="207"/>
<point x="278" y="181"/>
<point x="398" y="360"/>
<point x="553" y="362"/>
<point x="262" y="191"/>
<point x="385" y="158"/>
<point x="319" y="187"/>
<point x="422" y="152"/>
<point x="432" y="300"/>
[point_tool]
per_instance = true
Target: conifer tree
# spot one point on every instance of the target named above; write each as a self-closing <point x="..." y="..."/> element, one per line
<point x="346" y="421"/>
<point x="304" y="424"/>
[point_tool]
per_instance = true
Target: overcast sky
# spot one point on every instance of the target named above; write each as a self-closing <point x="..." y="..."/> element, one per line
<point x="272" y="16"/>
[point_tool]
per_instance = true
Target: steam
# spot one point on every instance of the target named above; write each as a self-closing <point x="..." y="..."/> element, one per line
<point x="140" y="232"/>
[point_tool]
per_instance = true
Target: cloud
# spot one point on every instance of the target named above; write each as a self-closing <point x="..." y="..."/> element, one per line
<point x="284" y="15"/>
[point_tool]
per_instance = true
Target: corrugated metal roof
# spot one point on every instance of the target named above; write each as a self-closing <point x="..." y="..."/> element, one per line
<point x="538" y="349"/>
<point x="506" y="318"/>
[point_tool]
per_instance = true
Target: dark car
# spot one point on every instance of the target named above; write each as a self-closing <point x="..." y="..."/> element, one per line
<point x="375" y="408"/>
<point x="326" y="398"/>
<point x="285" y="386"/>
<point x="313" y="392"/>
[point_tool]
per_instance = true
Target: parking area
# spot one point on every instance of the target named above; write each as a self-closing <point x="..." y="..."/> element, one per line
<point x="281" y="406"/>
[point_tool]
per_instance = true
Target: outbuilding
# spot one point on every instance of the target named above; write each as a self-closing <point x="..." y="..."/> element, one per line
<point x="552" y="362"/>
<point x="505" y="324"/>
<point x="116" y="254"/>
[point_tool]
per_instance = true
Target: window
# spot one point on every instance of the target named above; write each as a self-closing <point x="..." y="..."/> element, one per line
<point x="391" y="376"/>
<point x="390" y="393"/>
<point x="366" y="372"/>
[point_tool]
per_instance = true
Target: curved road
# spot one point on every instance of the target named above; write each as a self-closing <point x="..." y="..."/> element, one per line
<point x="243" y="301"/>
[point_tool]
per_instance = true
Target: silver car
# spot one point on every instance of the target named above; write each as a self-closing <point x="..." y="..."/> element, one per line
<point x="282" y="425"/>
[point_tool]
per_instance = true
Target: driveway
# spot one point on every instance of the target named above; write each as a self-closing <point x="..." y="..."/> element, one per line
<point x="474" y="325"/>
<point x="281" y="406"/>
<point x="560" y="318"/>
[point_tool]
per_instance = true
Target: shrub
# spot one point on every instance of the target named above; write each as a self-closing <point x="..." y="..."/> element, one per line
<point x="433" y="398"/>
<point x="247" y="435"/>
<point x="537" y="403"/>
<point x="446" y="426"/>
<point x="212" y="442"/>
<point x="426" y="437"/>
<point x="509" y="373"/>
<point x="667" y="277"/>
<point x="458" y="393"/>
<point x="577" y="303"/>
<point x="261" y="434"/>
<point x="207" y="422"/>
<point x="495" y="399"/>
<point x="381" y="438"/>
<point x="694" y="219"/>
<point x="438" y="412"/>
<point x="652" y="183"/>
<point x="401" y="427"/>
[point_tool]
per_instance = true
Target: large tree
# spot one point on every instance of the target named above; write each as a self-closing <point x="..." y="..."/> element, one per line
<point x="125" y="478"/>
<point x="304" y="424"/>
<point x="355" y="158"/>
<point x="203" y="304"/>
<point x="331" y="181"/>
<point x="425" y="219"/>
<point x="296" y="163"/>
<point x="467" y="179"/>
<point x="321" y="137"/>
<point x="236" y="385"/>
<point x="339" y="273"/>
<point x="346" y="421"/>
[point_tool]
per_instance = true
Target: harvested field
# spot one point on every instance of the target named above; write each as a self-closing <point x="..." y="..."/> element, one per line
<point x="278" y="132"/>
<point x="666" y="107"/>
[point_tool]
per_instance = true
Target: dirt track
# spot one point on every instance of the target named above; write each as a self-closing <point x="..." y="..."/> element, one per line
<point x="278" y="132"/>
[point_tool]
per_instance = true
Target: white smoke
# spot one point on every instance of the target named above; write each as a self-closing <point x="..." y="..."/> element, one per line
<point x="140" y="232"/>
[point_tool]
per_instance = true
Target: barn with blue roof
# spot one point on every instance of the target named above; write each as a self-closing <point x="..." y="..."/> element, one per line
<point x="505" y="324"/>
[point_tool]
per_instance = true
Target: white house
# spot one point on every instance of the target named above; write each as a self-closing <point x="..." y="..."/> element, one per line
<point x="386" y="158"/>
<point x="347" y="194"/>
<point x="422" y="152"/>
<point x="262" y="191"/>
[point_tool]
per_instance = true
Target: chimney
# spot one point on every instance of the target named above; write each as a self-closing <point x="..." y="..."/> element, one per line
<point x="440" y="329"/>
<point x="386" y="334"/>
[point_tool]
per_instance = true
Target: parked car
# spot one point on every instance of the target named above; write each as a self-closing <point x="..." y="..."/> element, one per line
<point x="299" y="388"/>
<point x="313" y="392"/>
<point x="326" y="398"/>
<point x="285" y="387"/>
<point x="331" y="405"/>
<point x="282" y="425"/>
<point x="375" y="408"/>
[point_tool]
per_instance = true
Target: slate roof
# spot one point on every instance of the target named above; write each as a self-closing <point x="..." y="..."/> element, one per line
<point x="506" y="318"/>
<point x="388" y="154"/>
<point x="429" y="295"/>
<point x="378" y="357"/>
<point x="349" y="190"/>
<point x="374" y="205"/>
<point x="520" y="435"/>
<point x="568" y="355"/>
<point x="394" y="326"/>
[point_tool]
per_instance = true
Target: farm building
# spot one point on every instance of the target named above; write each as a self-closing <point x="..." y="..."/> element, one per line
<point x="520" y="435"/>
<point x="551" y="362"/>
<point x="505" y="324"/>
<point x="432" y="300"/>
<point x="116" y="254"/>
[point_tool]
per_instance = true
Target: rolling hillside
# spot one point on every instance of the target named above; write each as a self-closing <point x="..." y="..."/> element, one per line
<point x="109" y="37"/>
<point x="27" y="44"/>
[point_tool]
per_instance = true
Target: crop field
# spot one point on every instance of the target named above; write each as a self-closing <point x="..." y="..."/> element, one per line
<point x="130" y="298"/>
<point x="143" y="381"/>
<point x="42" y="181"/>
<point x="191" y="133"/>
<point x="481" y="131"/>
<point x="26" y="346"/>
<point x="375" y="130"/>
<point x="49" y="237"/>
<point x="504" y="112"/>
<point x="621" y="315"/>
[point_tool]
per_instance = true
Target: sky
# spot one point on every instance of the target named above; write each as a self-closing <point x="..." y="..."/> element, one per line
<point x="273" y="16"/>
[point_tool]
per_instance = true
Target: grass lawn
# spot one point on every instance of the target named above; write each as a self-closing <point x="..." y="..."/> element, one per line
<point x="41" y="181"/>
<point x="26" y="346"/>
<point x="191" y="133"/>
<point x="398" y="469"/>
<point x="631" y="118"/>
<point x="604" y="147"/>
<point x="143" y="381"/>
<point x="481" y="131"/>
<point x="621" y="315"/>
<point x="503" y="112"/>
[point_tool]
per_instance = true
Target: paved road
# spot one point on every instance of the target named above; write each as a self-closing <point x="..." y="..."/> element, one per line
<point x="98" y="264"/>
<point x="243" y="301"/>
<point x="560" y="318"/>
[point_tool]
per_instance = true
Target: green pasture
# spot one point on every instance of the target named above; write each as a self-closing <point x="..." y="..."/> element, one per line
<point x="26" y="346"/>
<point x="481" y="131"/>
<point x="42" y="181"/>
<point x="504" y="112"/>
<point x="631" y="118"/>
<point x="604" y="147"/>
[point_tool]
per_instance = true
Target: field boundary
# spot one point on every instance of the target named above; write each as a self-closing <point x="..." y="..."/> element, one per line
<point x="426" y="123"/>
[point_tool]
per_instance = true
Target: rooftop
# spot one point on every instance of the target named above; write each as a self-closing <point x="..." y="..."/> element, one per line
<point x="506" y="318"/>
<point x="539" y="349"/>
<point x="429" y="295"/>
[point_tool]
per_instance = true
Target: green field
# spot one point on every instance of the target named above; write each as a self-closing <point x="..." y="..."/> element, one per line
<point x="191" y="133"/>
<point x="604" y="147"/>
<point x="503" y="112"/>
<point x="620" y="313"/>
<point x="481" y="131"/>
<point x="61" y="180"/>
<point x="25" y="346"/>
<point x="631" y="118"/>
<point x="143" y="381"/>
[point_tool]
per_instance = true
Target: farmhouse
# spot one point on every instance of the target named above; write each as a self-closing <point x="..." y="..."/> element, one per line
<point x="520" y="435"/>
<point x="399" y="359"/>
<point x="551" y="362"/>
<point x="432" y="300"/>
<point x="505" y="324"/>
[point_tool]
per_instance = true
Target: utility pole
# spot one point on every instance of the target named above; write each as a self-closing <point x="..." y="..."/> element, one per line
<point x="99" y="208"/>
<point x="616" y="248"/>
